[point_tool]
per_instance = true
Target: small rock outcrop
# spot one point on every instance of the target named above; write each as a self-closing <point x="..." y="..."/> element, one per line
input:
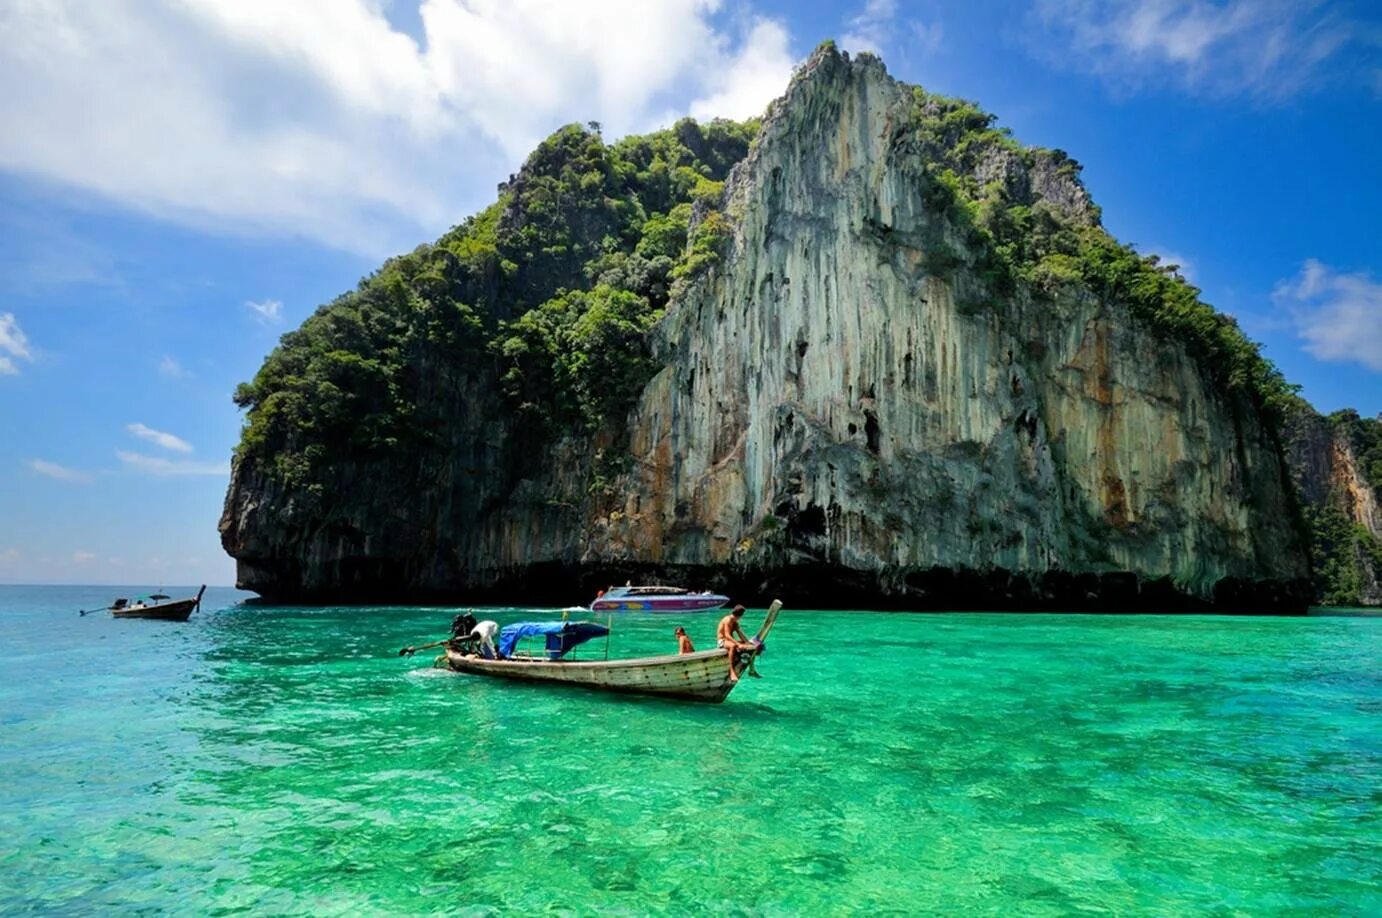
<point x="1336" y="462"/>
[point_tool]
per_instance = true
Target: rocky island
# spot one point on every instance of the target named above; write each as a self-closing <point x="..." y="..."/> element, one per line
<point x="1336" y="464"/>
<point x="869" y="352"/>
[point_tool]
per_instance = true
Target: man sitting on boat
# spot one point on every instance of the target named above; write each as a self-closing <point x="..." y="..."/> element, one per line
<point x="684" y="644"/>
<point x="730" y="635"/>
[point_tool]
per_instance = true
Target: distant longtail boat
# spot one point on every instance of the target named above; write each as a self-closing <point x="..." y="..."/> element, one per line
<point x="157" y="605"/>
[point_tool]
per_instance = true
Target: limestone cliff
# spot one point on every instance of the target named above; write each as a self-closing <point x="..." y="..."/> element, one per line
<point x="1327" y="458"/>
<point x="851" y="407"/>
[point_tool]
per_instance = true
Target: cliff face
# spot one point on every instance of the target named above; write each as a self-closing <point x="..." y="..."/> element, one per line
<point x="1341" y="504"/>
<point x="849" y="411"/>
<point x="830" y="401"/>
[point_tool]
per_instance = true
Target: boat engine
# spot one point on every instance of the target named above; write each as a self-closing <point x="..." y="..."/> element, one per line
<point x="462" y="625"/>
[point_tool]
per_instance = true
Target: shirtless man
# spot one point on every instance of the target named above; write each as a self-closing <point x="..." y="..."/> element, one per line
<point x="725" y="636"/>
<point x="684" y="644"/>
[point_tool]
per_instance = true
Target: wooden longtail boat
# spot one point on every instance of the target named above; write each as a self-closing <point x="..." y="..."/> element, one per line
<point x="702" y="676"/>
<point x="176" y="610"/>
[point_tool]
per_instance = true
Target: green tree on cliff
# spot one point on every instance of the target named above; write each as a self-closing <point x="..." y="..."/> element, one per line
<point x="550" y="291"/>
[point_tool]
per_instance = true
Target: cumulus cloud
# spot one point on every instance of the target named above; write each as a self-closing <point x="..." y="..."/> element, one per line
<point x="59" y="472"/>
<point x="82" y="557"/>
<point x="321" y="118"/>
<point x="1264" y="48"/>
<point x="13" y="343"/>
<point x="157" y="465"/>
<point x="481" y="55"/>
<point x="1338" y="316"/>
<point x="165" y="440"/>
<point x="750" y="79"/>
<point x="270" y="312"/>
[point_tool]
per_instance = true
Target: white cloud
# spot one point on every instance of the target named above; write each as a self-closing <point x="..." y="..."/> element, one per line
<point x="14" y="343"/>
<point x="519" y="68"/>
<point x="81" y="557"/>
<point x="165" y="440"/>
<point x="270" y="312"/>
<point x="870" y="28"/>
<point x="1266" y="48"/>
<point x="157" y="465"/>
<point x="319" y="118"/>
<point x="171" y="368"/>
<point x="59" y="472"/>
<point x="751" y="79"/>
<point x="1339" y="316"/>
<point x="10" y="555"/>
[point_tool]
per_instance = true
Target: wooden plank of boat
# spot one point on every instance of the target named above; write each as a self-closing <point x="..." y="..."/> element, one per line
<point x="176" y="611"/>
<point x="702" y="676"/>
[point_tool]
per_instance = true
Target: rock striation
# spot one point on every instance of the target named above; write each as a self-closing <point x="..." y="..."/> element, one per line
<point x="849" y="412"/>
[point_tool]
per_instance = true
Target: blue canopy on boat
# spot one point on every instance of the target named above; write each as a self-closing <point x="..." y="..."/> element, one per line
<point x="561" y="636"/>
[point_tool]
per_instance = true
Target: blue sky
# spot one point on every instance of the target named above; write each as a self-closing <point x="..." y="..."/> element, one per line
<point x="182" y="182"/>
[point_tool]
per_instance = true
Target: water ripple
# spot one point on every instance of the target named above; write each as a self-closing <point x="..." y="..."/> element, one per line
<point x="273" y="759"/>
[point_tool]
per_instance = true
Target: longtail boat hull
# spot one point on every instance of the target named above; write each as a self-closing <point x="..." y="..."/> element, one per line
<point x="177" y="611"/>
<point x="692" y="677"/>
<point x="702" y="676"/>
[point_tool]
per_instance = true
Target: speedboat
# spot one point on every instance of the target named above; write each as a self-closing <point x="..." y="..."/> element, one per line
<point x="656" y="599"/>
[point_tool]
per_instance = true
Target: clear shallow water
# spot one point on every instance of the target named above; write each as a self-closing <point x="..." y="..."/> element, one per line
<point x="287" y="760"/>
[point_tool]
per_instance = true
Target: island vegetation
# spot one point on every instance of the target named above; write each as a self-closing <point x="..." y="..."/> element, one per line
<point x="551" y="294"/>
<point x="552" y="289"/>
<point x="557" y="284"/>
<point x="1032" y="244"/>
<point x="1346" y="554"/>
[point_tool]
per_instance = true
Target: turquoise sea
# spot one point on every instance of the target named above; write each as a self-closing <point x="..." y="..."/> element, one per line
<point x="286" y="760"/>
